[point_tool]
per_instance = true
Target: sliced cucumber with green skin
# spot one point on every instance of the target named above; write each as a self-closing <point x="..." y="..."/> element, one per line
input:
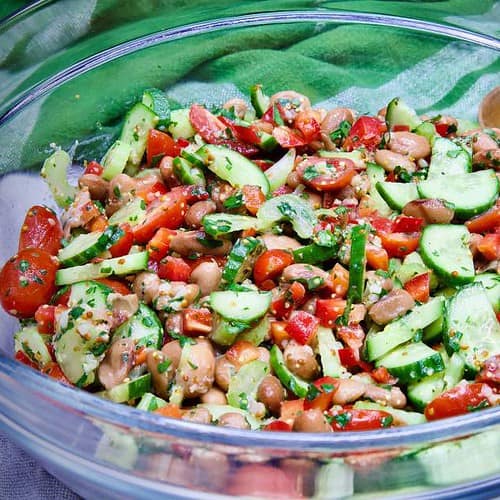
<point x="454" y="371"/>
<point x="278" y="173"/>
<point x="422" y="392"/>
<point x="133" y="213"/>
<point x="432" y="333"/>
<point x="180" y="125"/>
<point x="297" y="385"/>
<point x="408" y="417"/>
<point x="397" y="194"/>
<point x="87" y="246"/>
<point x="292" y="208"/>
<point x="314" y="254"/>
<point x="128" y="391"/>
<point x="241" y="259"/>
<point x="448" y="158"/>
<point x="470" y="194"/>
<point x="445" y="249"/>
<point x="403" y="329"/>
<point x="233" y="167"/>
<point x="466" y="125"/>
<point x="328" y="349"/>
<point x="93" y="293"/>
<point x="240" y="306"/>
<point x="471" y="328"/>
<point x="377" y="174"/>
<point x="259" y="100"/>
<point x="55" y="173"/>
<point x="427" y="130"/>
<point x="243" y="386"/>
<point x="220" y="224"/>
<point x="157" y="101"/>
<point x="258" y="333"/>
<point x="226" y="331"/>
<point x="491" y="284"/>
<point x="192" y="158"/>
<point x="128" y="264"/>
<point x="412" y="361"/>
<point x="357" y="264"/>
<point x="216" y="411"/>
<point x="187" y="174"/>
<point x="144" y="327"/>
<point x="115" y="159"/>
<point x="31" y="342"/>
<point x="150" y="402"/>
<point x="138" y="122"/>
<point x="399" y="113"/>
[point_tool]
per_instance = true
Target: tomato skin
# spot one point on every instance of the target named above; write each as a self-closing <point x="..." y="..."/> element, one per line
<point x="151" y="191"/>
<point x="44" y="317"/>
<point x="169" y="410"/>
<point x="160" y="143"/>
<point x="93" y="167"/>
<point x="277" y="426"/>
<point x="22" y="358"/>
<point x="419" y="287"/>
<point x="376" y="257"/>
<point x="329" y="310"/>
<point x="324" y="400"/>
<point x="270" y="264"/>
<point x="400" y="128"/>
<point x="307" y="125"/>
<point x="174" y="269"/>
<point x="124" y="244"/>
<point x="253" y="198"/>
<point x="53" y="370"/>
<point x="400" y="244"/>
<point x="326" y="174"/>
<point x="27" y="282"/>
<point x="353" y="419"/>
<point x="490" y="373"/>
<point x="489" y="246"/>
<point x="405" y="224"/>
<point x="41" y="229"/>
<point x="288" y="300"/>
<point x="288" y="138"/>
<point x="382" y="376"/>
<point x="340" y="280"/>
<point x="196" y="321"/>
<point x="487" y="221"/>
<point x="459" y="400"/>
<point x="115" y="285"/>
<point x="366" y="132"/>
<point x="159" y="244"/>
<point x="210" y="128"/>
<point x="302" y="326"/>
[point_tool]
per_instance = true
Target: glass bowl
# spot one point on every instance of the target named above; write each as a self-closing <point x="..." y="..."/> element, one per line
<point x="69" y="71"/>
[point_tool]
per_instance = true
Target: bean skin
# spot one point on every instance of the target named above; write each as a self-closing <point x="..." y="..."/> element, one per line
<point x="311" y="421"/>
<point x="410" y="144"/>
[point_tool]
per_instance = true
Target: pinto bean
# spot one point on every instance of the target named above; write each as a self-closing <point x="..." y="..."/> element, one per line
<point x="214" y="396"/>
<point x="173" y="350"/>
<point x="393" y="305"/>
<point x="389" y="160"/>
<point x="207" y="276"/>
<point x="187" y="243"/>
<point x="293" y="179"/>
<point x="300" y="360"/>
<point x="292" y="103"/>
<point x="264" y="355"/>
<point x="224" y="370"/>
<point x="305" y="272"/>
<point x="174" y="323"/>
<point x="123" y="306"/>
<point x="489" y="158"/>
<point x="311" y="421"/>
<point x="432" y="210"/>
<point x="120" y="192"/>
<point x="347" y="390"/>
<point x="220" y="192"/>
<point x="161" y="378"/>
<point x="334" y="118"/>
<point x="408" y="143"/>
<point x="117" y="363"/>
<point x="274" y="242"/>
<point x="146" y="286"/>
<point x="482" y="142"/>
<point x="167" y="171"/>
<point x="271" y="393"/>
<point x="392" y="397"/>
<point x="199" y="415"/>
<point x="197" y="211"/>
<point x="233" y="419"/>
<point x="97" y="186"/>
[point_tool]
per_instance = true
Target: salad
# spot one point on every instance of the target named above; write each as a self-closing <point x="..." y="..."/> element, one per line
<point x="271" y="266"/>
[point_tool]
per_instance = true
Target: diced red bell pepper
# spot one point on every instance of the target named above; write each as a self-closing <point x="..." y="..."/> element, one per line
<point x="288" y="300"/>
<point x="159" y="244"/>
<point x="277" y="426"/>
<point x="419" y="287"/>
<point x="174" y="269"/>
<point x="302" y="326"/>
<point x="329" y="310"/>
<point x="324" y="399"/>
<point x="124" y="244"/>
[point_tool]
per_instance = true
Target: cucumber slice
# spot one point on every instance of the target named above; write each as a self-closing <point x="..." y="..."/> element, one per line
<point x="357" y="264"/>
<point x="157" y="101"/>
<point x="471" y="327"/>
<point x="187" y="174"/>
<point x="243" y="386"/>
<point x="55" y="173"/>
<point x="128" y="391"/>
<point x="259" y="100"/>
<point x="422" y="392"/>
<point x="150" y="402"/>
<point x="403" y="329"/>
<point x="445" y="249"/>
<point x="466" y="125"/>
<point x="412" y="362"/>
<point x="408" y="417"/>
<point x="241" y="259"/>
<point x="399" y="113"/>
<point x="328" y="349"/>
<point x="240" y="306"/>
<point x="220" y="224"/>
<point x="93" y="293"/>
<point x="377" y="174"/>
<point x="33" y="345"/>
<point x="432" y="333"/>
<point x="115" y="159"/>
<point x="334" y="480"/>
<point x="297" y="385"/>
<point x="292" y="208"/>
<point x="144" y="327"/>
<point x="180" y="125"/>
<point x="470" y="194"/>
<point x="128" y="264"/>
<point x="427" y="130"/>
<point x="448" y="158"/>
<point x="491" y="284"/>
<point x="138" y="122"/>
<point x="397" y="194"/>
<point x="258" y="333"/>
<point x="454" y="371"/>
<point x="192" y="158"/>
<point x="133" y="213"/>
<point x="226" y="331"/>
<point x="278" y="173"/>
<point x="233" y="167"/>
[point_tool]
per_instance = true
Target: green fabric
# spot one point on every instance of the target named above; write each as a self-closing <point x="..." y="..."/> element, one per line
<point x="358" y="66"/>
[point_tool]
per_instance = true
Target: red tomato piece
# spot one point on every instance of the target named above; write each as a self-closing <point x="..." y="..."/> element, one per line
<point x="405" y="224"/>
<point x="210" y="128"/>
<point x="376" y="257"/>
<point x="150" y="192"/>
<point x="288" y="138"/>
<point x="168" y="211"/>
<point x="487" y="221"/>
<point x="124" y="244"/>
<point x="263" y="164"/>
<point x="271" y="264"/>
<point x="462" y="399"/>
<point x="359" y="420"/>
<point x="41" y="229"/>
<point x="490" y="373"/>
<point x="302" y="326"/>
<point x="53" y="370"/>
<point x="196" y="321"/>
<point x="115" y="285"/>
<point x="489" y="246"/>
<point x="419" y="287"/>
<point x="400" y="244"/>
<point x="326" y="174"/>
<point x="324" y="399"/>
<point x="382" y="376"/>
<point x="307" y="125"/>
<point x="159" y="244"/>
<point x="21" y="357"/>
<point x="160" y="144"/>
<point x="94" y="168"/>
<point x="174" y="269"/>
<point x="366" y="132"/>
<point x="290" y="409"/>
<point x="329" y="310"/>
<point x="44" y="317"/>
<point x="62" y="296"/>
<point x="170" y="410"/>
<point x="277" y="426"/>
<point x="248" y="134"/>
<point x="288" y="300"/>
<point x="253" y="198"/>
<point x="340" y="280"/>
<point x="27" y="282"/>
<point x="400" y="128"/>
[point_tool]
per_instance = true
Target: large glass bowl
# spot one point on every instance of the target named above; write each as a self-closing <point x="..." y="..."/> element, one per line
<point x="69" y="70"/>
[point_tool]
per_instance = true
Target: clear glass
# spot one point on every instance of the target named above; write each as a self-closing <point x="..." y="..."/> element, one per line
<point x="69" y="70"/>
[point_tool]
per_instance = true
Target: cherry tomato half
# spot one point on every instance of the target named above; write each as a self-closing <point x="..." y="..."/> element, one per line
<point x="366" y="132"/>
<point x="271" y="264"/>
<point x="326" y="174"/>
<point x="41" y="229"/>
<point x="353" y="419"/>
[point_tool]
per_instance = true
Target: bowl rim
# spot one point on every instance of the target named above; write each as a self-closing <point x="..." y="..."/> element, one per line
<point x="127" y="417"/>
